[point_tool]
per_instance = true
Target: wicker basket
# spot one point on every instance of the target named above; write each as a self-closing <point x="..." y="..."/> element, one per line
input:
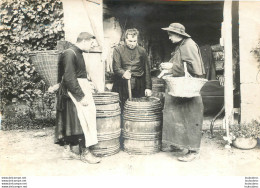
<point x="187" y="86"/>
<point x="46" y="64"/>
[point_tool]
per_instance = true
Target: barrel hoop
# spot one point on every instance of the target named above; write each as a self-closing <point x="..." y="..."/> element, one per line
<point x="105" y="98"/>
<point x="143" y="109"/>
<point x="106" y="153"/>
<point x="144" y="105"/>
<point x="141" y="136"/>
<point x="105" y="102"/>
<point x="142" y="119"/>
<point x="147" y="148"/>
<point x="108" y="136"/>
<point x="141" y="152"/>
<point x="108" y="148"/>
<point x="141" y="133"/>
<point x="143" y="148"/>
<point x="146" y="114"/>
<point x="105" y="114"/>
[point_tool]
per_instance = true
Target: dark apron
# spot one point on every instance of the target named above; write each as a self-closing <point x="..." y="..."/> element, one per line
<point x="182" y="122"/>
<point x="182" y="117"/>
<point x="68" y="127"/>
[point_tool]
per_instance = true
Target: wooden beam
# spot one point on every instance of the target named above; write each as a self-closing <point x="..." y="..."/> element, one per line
<point x="227" y="37"/>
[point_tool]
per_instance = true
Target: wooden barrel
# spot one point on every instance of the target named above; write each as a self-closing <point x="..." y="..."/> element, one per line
<point x="142" y="125"/>
<point x="158" y="89"/>
<point x="108" y="123"/>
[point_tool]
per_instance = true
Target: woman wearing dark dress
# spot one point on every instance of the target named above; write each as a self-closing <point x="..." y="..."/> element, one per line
<point x="183" y="117"/>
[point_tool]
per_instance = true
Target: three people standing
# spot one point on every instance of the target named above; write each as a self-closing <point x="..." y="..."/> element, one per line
<point x="76" y="113"/>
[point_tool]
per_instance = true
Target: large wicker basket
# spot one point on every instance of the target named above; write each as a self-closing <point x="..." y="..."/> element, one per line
<point x="46" y="64"/>
<point x="187" y="86"/>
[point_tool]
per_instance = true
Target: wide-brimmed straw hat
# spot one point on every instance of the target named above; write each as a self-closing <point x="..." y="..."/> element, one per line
<point x="177" y="28"/>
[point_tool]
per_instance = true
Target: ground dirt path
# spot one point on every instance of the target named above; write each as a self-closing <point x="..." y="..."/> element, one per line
<point x="22" y="154"/>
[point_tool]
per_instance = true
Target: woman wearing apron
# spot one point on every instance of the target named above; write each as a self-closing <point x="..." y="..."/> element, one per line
<point x="183" y="117"/>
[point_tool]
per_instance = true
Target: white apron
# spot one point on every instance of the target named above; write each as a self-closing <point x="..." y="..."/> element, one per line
<point x="87" y="114"/>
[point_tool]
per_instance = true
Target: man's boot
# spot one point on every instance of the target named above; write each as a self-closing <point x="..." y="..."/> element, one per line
<point x="87" y="157"/>
<point x="67" y="153"/>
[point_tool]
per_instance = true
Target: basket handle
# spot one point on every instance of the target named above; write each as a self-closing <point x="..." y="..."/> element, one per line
<point x="187" y="74"/>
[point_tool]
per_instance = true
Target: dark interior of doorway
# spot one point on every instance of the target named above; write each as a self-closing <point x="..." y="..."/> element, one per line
<point x="202" y="21"/>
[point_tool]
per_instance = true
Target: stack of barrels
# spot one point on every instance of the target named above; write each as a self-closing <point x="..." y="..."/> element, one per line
<point x="108" y="123"/>
<point x="142" y="125"/>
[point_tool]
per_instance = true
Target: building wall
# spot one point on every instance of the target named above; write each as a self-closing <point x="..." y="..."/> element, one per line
<point x="112" y="36"/>
<point x="86" y="16"/>
<point x="249" y="35"/>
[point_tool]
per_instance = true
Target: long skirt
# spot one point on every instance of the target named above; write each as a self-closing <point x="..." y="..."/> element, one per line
<point x="68" y="127"/>
<point x="182" y="122"/>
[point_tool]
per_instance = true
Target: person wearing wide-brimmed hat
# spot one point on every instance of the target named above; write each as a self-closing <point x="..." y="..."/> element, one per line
<point x="183" y="117"/>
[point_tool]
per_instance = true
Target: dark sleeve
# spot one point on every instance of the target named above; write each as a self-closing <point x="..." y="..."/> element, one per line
<point x="117" y="68"/>
<point x="148" y="81"/>
<point x="69" y="77"/>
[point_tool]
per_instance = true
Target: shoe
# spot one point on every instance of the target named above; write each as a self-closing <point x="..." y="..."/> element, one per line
<point x="170" y="148"/>
<point x="166" y="149"/>
<point x="88" y="157"/>
<point x="176" y="149"/>
<point x="189" y="157"/>
<point x="67" y="154"/>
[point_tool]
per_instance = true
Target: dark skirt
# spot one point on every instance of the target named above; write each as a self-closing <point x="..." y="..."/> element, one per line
<point x="182" y="122"/>
<point x="137" y="87"/>
<point x="68" y="128"/>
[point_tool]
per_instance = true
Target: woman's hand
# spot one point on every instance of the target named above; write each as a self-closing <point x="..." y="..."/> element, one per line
<point x="166" y="66"/>
<point x="148" y="92"/>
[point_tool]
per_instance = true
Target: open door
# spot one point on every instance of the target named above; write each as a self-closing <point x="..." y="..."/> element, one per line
<point x="87" y="16"/>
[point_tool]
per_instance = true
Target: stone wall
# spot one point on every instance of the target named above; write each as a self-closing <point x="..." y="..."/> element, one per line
<point x="249" y="35"/>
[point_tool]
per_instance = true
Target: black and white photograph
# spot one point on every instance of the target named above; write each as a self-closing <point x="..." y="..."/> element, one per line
<point x="130" y="88"/>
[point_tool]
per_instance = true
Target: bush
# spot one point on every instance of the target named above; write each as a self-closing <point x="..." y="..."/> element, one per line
<point x="26" y="25"/>
<point x="30" y="115"/>
<point x="25" y="122"/>
<point x="246" y="130"/>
